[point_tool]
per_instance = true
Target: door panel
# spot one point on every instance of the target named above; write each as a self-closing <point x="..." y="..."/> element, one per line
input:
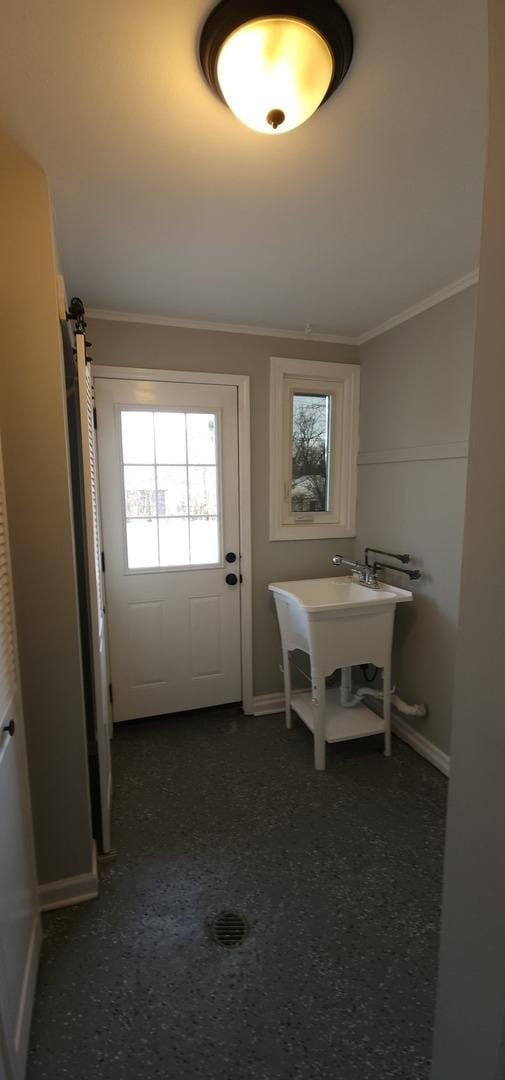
<point x="205" y="622"/>
<point x="170" y="510"/>
<point x="147" y="643"/>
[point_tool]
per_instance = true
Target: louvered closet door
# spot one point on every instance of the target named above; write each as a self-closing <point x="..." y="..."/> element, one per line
<point x="19" y="917"/>
<point x="101" y="680"/>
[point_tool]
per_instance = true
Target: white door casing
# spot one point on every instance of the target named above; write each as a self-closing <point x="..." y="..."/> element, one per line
<point x="96" y="590"/>
<point x="20" y="932"/>
<point x="169" y="485"/>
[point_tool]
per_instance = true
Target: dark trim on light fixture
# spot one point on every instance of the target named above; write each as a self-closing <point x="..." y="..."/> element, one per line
<point x="326" y="16"/>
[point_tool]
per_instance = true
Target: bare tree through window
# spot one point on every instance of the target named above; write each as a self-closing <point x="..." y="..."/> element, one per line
<point x="309" y="483"/>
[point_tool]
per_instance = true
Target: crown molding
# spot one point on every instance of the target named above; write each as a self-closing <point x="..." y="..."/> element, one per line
<point x="417" y="309"/>
<point x="223" y="328"/>
<point x="292" y="335"/>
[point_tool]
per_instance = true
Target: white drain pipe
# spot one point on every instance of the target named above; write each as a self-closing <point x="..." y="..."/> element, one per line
<point x="347" y="698"/>
<point x="418" y="712"/>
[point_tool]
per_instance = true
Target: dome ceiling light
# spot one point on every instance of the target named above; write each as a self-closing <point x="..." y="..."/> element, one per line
<point x="273" y="63"/>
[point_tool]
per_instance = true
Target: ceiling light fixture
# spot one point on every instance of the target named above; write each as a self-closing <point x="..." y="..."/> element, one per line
<point x="275" y="63"/>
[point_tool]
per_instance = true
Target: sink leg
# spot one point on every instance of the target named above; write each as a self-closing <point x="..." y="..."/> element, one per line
<point x="287" y="685"/>
<point x="319" y="700"/>
<point x="386" y="683"/>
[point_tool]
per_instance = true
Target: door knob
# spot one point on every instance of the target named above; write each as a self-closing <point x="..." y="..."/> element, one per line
<point x="231" y="579"/>
<point x="231" y="557"/>
<point x="10" y="727"/>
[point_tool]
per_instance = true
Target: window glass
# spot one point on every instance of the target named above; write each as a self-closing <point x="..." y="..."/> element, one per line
<point x="140" y="491"/>
<point x="138" y="437"/>
<point x="172" y="491"/>
<point x="202" y="490"/>
<point x="204" y="539"/>
<point x="201" y="438"/>
<point x="170" y="435"/>
<point x="142" y="543"/>
<point x="170" y="488"/>
<point x="174" y="542"/>
<point x="310" y="445"/>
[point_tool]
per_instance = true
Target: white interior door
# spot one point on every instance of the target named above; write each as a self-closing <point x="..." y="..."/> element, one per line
<point x="96" y="591"/>
<point x="19" y="913"/>
<point x="169" y="486"/>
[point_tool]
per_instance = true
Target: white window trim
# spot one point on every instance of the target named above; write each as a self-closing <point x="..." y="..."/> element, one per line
<point x="342" y="380"/>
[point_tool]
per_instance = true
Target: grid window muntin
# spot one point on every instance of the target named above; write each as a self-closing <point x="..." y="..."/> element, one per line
<point x="153" y="515"/>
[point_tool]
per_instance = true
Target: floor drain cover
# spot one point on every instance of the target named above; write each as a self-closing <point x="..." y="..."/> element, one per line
<point x="229" y="929"/>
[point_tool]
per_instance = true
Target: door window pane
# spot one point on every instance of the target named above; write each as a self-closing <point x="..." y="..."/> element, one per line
<point x="170" y="485"/>
<point x="172" y="490"/>
<point x="202" y="490"/>
<point x="174" y="541"/>
<point x="170" y="435"/>
<point x="204" y="540"/>
<point x="142" y="541"/>
<point x="201" y="438"/>
<point x="137" y="437"/>
<point x="310" y="444"/>
<point x="140" y="491"/>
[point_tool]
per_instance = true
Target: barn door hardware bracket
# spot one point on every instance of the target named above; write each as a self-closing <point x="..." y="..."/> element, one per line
<point x="76" y="314"/>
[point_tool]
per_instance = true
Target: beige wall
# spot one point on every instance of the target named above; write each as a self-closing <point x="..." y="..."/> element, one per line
<point x="470" y="1022"/>
<point x="143" y="345"/>
<point x="415" y="394"/>
<point x="32" y="423"/>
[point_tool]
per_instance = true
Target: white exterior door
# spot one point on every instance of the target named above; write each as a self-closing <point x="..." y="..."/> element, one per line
<point x="96" y="592"/>
<point x="19" y="916"/>
<point x="169" y="486"/>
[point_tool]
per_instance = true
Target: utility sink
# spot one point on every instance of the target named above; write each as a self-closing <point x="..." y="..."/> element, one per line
<point x="330" y="594"/>
<point x="339" y="623"/>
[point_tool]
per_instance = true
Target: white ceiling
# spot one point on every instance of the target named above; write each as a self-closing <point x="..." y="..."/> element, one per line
<point x="166" y="205"/>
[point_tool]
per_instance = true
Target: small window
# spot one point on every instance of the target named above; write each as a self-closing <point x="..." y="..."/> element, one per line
<point x="313" y="449"/>
<point x="170" y="464"/>
<point x="310" y="446"/>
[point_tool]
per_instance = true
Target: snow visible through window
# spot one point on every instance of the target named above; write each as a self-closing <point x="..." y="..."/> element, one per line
<point x="170" y="488"/>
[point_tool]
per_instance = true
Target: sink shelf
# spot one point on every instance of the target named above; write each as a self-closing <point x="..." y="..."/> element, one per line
<point x="341" y="724"/>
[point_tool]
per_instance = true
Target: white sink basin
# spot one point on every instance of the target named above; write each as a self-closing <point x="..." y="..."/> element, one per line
<point x="339" y="623"/>
<point x="332" y="594"/>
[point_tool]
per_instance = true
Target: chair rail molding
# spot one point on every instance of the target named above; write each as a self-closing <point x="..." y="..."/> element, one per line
<point x="434" y="452"/>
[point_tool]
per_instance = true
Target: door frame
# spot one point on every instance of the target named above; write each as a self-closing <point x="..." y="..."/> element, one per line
<point x="242" y="382"/>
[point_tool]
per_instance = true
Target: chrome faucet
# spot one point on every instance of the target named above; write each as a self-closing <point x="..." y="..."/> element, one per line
<point x="366" y="574"/>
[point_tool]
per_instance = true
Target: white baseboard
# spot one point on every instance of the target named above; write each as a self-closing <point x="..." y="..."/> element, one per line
<point x="269" y="704"/>
<point x="422" y="745"/>
<point x="71" y="890"/>
<point x="24" y="1016"/>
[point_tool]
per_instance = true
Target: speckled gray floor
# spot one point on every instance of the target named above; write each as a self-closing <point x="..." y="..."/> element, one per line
<point x="338" y="874"/>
